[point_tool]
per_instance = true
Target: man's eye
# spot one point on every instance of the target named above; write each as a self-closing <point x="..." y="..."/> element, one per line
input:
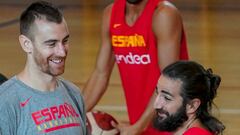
<point x="167" y="98"/>
<point x="51" y="44"/>
<point x="65" y="42"/>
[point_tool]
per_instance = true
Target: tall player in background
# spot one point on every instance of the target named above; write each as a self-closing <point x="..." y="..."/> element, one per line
<point x="143" y="37"/>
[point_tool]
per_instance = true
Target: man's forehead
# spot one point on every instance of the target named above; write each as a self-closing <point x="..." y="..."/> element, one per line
<point x="45" y="26"/>
<point x="169" y="86"/>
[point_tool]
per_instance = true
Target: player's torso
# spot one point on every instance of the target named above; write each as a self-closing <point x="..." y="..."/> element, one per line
<point x="50" y="113"/>
<point x="135" y="52"/>
<point x="134" y="46"/>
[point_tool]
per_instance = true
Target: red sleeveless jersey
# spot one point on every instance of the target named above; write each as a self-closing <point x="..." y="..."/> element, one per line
<point x="135" y="49"/>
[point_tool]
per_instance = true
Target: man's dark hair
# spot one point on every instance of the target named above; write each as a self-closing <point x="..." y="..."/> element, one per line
<point x="38" y="10"/>
<point x="2" y="78"/>
<point x="200" y="83"/>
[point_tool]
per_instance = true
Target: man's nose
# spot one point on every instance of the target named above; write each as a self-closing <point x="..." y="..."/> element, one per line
<point x="61" y="50"/>
<point x="158" y="104"/>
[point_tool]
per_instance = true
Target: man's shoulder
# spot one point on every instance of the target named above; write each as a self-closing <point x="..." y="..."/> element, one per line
<point x="165" y="16"/>
<point x="108" y="9"/>
<point x="165" y="7"/>
<point x="166" y="4"/>
<point x="9" y="91"/>
<point x="8" y="94"/>
<point x="8" y="87"/>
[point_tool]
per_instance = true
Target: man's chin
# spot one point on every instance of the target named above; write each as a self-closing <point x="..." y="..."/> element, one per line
<point x="57" y="73"/>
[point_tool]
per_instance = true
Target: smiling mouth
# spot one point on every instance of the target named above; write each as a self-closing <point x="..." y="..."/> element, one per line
<point x="161" y="114"/>
<point x="57" y="61"/>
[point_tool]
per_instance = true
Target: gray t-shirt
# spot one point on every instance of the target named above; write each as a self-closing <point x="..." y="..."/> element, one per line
<point x="26" y="111"/>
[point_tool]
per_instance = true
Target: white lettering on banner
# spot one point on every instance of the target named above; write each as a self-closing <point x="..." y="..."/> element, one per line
<point x="133" y="59"/>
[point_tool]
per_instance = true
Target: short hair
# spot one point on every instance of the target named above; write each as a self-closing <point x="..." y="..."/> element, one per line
<point x="2" y="78"/>
<point x="38" y="10"/>
<point x="200" y="83"/>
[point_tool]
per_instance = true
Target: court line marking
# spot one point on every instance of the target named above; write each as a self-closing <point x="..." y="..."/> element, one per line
<point x="124" y="109"/>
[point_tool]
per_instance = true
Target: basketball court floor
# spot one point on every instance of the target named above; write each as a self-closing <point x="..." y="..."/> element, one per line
<point x="213" y="38"/>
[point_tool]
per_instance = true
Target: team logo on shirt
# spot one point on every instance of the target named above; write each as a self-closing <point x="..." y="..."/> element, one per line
<point x="134" y="40"/>
<point x="56" y="118"/>
<point x="22" y="104"/>
<point x="116" y="25"/>
<point x="128" y="41"/>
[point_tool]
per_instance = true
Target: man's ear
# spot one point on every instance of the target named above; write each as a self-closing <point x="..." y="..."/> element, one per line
<point x="193" y="105"/>
<point x="25" y="43"/>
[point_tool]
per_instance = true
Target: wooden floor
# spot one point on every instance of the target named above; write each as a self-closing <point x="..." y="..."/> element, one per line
<point x="213" y="37"/>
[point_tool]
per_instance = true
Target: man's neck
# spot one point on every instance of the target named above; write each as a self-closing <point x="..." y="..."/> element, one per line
<point x="191" y="122"/>
<point x="38" y="81"/>
<point x="133" y="11"/>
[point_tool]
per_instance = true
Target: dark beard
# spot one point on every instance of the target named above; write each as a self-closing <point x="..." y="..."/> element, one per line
<point x="171" y="122"/>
